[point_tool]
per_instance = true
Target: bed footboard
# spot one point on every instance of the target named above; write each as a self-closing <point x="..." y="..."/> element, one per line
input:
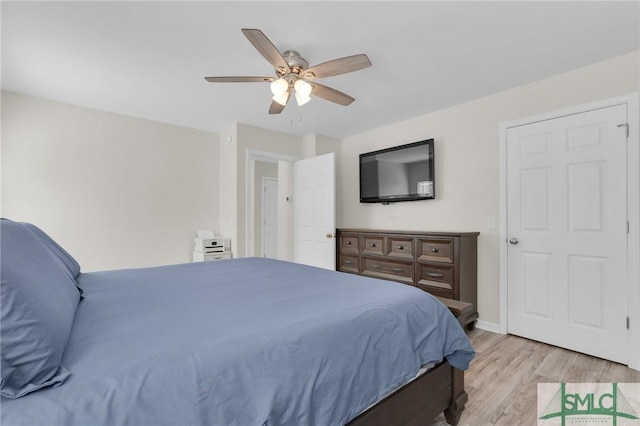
<point x="439" y="390"/>
<point x="458" y="397"/>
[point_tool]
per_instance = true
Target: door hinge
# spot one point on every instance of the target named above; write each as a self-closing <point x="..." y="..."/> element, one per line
<point x="626" y="126"/>
<point x="628" y="226"/>
<point x="627" y="323"/>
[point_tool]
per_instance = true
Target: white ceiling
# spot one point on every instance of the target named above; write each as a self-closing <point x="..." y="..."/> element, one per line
<point x="149" y="59"/>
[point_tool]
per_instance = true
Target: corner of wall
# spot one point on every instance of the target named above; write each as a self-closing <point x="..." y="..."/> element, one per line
<point x="309" y="146"/>
<point x="227" y="182"/>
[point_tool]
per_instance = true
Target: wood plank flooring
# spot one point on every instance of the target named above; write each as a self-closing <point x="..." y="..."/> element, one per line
<point x="502" y="379"/>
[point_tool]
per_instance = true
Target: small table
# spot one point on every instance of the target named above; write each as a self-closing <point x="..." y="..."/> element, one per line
<point x="202" y="257"/>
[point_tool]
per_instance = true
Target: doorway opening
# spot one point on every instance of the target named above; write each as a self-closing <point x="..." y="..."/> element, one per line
<point x="255" y="162"/>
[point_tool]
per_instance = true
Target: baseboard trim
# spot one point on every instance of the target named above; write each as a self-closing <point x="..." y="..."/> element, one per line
<point x="488" y="326"/>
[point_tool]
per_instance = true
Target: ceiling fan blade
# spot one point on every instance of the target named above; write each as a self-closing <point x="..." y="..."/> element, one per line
<point x="337" y="67"/>
<point x="239" y="79"/>
<point x="266" y="49"/>
<point x="277" y="108"/>
<point x="330" y="94"/>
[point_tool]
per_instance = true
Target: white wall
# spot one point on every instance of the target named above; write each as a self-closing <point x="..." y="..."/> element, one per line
<point x="466" y="166"/>
<point x="285" y="210"/>
<point x="115" y="191"/>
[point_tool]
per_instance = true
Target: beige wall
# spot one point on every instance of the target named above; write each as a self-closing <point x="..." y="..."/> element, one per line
<point x="115" y="191"/>
<point x="124" y="192"/>
<point x="467" y="168"/>
<point x="227" y="177"/>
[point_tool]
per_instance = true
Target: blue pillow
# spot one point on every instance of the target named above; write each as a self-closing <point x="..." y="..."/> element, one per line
<point x="69" y="262"/>
<point x="39" y="301"/>
<point x="71" y="265"/>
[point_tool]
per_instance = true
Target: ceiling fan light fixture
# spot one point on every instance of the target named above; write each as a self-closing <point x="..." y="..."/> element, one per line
<point x="282" y="99"/>
<point x="279" y="87"/>
<point x="302" y="99"/>
<point x="302" y="88"/>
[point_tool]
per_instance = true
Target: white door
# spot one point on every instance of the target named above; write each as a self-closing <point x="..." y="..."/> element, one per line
<point x="567" y="230"/>
<point x="270" y="218"/>
<point x="314" y="211"/>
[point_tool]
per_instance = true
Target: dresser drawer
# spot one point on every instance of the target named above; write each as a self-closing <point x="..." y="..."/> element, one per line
<point x="349" y="243"/>
<point x="400" y="247"/>
<point x="373" y="244"/>
<point x="349" y="263"/>
<point x="435" y="275"/>
<point x="435" y="249"/>
<point x="396" y="270"/>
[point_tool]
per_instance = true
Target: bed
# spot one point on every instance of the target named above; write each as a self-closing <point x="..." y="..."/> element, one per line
<point x="247" y="341"/>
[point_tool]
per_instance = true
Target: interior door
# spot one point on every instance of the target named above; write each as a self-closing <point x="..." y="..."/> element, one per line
<point x="314" y="211"/>
<point x="270" y="218"/>
<point x="567" y="230"/>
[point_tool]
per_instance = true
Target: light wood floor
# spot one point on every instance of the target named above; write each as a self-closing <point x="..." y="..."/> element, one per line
<point x="502" y="379"/>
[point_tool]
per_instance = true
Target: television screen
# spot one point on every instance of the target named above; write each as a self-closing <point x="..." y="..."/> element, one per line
<point x="401" y="173"/>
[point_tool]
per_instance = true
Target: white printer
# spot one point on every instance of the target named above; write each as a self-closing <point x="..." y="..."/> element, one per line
<point x="208" y="246"/>
<point x="211" y="245"/>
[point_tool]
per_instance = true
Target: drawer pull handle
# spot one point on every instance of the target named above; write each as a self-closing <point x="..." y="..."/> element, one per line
<point x="434" y="249"/>
<point x="434" y="274"/>
<point x="397" y="269"/>
<point x="376" y="265"/>
<point x="348" y="262"/>
<point x="348" y="243"/>
<point x="372" y="244"/>
<point x="400" y="248"/>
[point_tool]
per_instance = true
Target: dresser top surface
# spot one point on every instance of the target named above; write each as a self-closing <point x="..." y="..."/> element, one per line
<point x="393" y="232"/>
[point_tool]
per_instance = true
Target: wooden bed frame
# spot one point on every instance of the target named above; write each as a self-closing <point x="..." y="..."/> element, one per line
<point x="440" y="389"/>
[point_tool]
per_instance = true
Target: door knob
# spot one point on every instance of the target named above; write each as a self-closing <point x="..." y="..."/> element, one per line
<point x="514" y="241"/>
<point x="330" y="235"/>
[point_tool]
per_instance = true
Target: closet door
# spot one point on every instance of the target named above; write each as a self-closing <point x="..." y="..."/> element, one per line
<point x="567" y="232"/>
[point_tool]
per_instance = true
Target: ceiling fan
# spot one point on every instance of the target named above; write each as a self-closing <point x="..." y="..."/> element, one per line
<point x="294" y="76"/>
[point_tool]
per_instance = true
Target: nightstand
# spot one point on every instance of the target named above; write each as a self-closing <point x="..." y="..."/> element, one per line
<point x="202" y="257"/>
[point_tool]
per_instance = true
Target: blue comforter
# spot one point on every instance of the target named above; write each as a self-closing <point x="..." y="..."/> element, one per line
<point x="239" y="342"/>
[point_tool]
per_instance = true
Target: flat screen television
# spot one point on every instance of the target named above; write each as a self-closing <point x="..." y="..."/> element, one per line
<point x="401" y="173"/>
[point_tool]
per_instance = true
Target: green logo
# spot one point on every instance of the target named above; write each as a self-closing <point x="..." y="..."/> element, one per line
<point x="589" y="407"/>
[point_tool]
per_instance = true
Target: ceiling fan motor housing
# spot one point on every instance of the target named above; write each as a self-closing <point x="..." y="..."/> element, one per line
<point x="296" y="62"/>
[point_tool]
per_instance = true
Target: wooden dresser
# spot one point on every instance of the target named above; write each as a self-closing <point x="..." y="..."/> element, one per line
<point x="441" y="263"/>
